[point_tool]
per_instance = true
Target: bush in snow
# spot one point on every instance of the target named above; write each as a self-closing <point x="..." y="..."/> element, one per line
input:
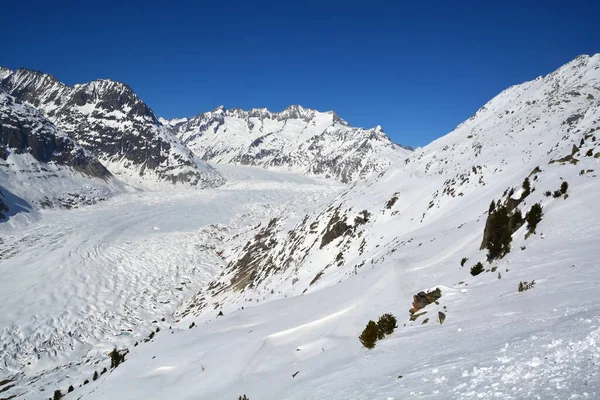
<point x="463" y="261"/>
<point x="386" y="325"/>
<point x="243" y="398"/>
<point x="370" y="335"/>
<point x="95" y="375"/>
<point x="556" y="194"/>
<point x="57" y="395"/>
<point x="523" y="286"/>
<point x="564" y="187"/>
<point x="477" y="269"/>
<point x="70" y="389"/>
<point x="533" y="217"/>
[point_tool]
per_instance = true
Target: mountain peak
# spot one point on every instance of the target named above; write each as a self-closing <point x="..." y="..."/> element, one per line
<point x="4" y="72"/>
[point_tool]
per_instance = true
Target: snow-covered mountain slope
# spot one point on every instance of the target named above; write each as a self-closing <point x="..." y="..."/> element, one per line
<point x="108" y="119"/>
<point x="524" y="127"/>
<point x="74" y="284"/>
<point x="41" y="166"/>
<point x="295" y="296"/>
<point x="297" y="139"/>
<point x="297" y="275"/>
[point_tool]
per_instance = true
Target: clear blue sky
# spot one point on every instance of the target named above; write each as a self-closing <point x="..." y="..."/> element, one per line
<point x="416" y="68"/>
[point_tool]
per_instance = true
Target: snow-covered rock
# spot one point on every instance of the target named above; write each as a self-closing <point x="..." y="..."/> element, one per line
<point x="40" y="166"/>
<point x="297" y="139"/>
<point x="108" y="119"/>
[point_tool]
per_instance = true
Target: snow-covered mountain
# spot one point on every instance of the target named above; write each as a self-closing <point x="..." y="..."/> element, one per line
<point x="297" y="139"/>
<point x="40" y="166"/>
<point x="108" y="119"/>
<point x="543" y="129"/>
<point x="261" y="287"/>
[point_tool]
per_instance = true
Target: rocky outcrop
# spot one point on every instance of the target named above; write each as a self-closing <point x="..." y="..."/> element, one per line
<point x="25" y="130"/>
<point x="422" y="299"/>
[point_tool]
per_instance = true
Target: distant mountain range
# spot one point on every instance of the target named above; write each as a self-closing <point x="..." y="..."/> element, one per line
<point x="108" y="119"/>
<point x="297" y="139"/>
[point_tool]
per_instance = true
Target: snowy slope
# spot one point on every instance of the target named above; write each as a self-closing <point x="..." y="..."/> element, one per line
<point x="42" y="167"/>
<point x="77" y="283"/>
<point x="108" y="119"/>
<point x="297" y="139"/>
<point x="294" y="301"/>
<point x="298" y="274"/>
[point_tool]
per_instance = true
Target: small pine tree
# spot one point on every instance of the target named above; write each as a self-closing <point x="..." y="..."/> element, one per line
<point x="103" y="371"/>
<point x="499" y="235"/>
<point x="57" y="395"/>
<point x="115" y="358"/>
<point x="3" y="208"/>
<point x="477" y="269"/>
<point x="463" y="261"/>
<point x="515" y="221"/>
<point x="86" y="381"/>
<point x="70" y="389"/>
<point x="492" y="207"/>
<point x="564" y="187"/>
<point x="243" y="398"/>
<point x="370" y="335"/>
<point x="95" y="375"/>
<point x="386" y="325"/>
<point x="533" y="217"/>
<point x="526" y="188"/>
<point x="523" y="286"/>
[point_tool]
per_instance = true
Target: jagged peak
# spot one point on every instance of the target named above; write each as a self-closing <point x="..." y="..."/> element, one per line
<point x="101" y="86"/>
<point x="290" y="112"/>
<point x="25" y="77"/>
<point x="5" y="72"/>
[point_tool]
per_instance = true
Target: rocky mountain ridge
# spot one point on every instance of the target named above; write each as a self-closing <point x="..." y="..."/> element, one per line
<point x="108" y="119"/>
<point x="296" y="139"/>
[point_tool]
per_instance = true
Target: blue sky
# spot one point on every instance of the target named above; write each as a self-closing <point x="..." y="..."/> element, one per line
<point x="416" y="69"/>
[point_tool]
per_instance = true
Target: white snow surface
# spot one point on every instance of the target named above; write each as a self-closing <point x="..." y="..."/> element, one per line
<point x="291" y="322"/>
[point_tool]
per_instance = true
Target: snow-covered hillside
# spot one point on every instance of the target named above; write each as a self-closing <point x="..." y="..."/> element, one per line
<point x="297" y="139"/>
<point x="266" y="283"/>
<point x="295" y="297"/>
<point x="42" y="167"/>
<point x="109" y="120"/>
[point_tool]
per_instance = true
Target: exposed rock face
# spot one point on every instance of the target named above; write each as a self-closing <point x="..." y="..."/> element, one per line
<point x="422" y="299"/>
<point x="297" y="139"/>
<point x="42" y="167"/>
<point x="108" y="119"/>
<point x="25" y="130"/>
